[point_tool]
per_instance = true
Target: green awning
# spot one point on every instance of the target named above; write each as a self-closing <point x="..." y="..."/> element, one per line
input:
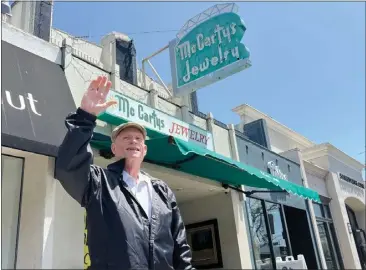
<point x="190" y="158"/>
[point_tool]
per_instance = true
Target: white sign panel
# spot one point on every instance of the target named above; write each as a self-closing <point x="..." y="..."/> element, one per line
<point x="131" y="110"/>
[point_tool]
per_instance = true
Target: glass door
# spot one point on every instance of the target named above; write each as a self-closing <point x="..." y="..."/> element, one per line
<point x="11" y="183"/>
<point x="328" y="237"/>
<point x="262" y="249"/>
<point x="268" y="233"/>
<point x="325" y="239"/>
<point x="358" y="235"/>
<point x="277" y="230"/>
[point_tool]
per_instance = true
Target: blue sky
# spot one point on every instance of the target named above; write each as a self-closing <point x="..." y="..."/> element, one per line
<point x="308" y="60"/>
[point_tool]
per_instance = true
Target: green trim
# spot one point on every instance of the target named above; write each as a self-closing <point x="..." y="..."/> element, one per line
<point x="190" y="158"/>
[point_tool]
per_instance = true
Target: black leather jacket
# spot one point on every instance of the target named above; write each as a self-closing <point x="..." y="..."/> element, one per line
<point x="120" y="236"/>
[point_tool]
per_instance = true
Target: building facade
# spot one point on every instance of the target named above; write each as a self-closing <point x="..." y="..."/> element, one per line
<point x="50" y="222"/>
<point x="280" y="224"/>
<point x="340" y="217"/>
<point x="35" y="96"/>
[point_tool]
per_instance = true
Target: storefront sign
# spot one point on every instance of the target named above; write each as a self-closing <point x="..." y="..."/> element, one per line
<point x="275" y="170"/>
<point x="20" y="102"/>
<point x="35" y="100"/>
<point x="209" y="52"/>
<point x="351" y="181"/>
<point x="131" y="110"/>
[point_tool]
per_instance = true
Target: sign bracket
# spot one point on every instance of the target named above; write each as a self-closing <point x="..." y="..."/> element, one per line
<point x="251" y="192"/>
<point x="147" y="60"/>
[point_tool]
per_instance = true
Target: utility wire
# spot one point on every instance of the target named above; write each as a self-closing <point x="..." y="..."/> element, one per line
<point x="135" y="33"/>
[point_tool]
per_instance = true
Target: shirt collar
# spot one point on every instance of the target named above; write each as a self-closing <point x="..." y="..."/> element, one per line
<point x="131" y="181"/>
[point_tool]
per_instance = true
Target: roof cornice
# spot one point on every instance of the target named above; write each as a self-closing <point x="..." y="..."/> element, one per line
<point x="327" y="149"/>
<point x="246" y="109"/>
<point x="315" y="169"/>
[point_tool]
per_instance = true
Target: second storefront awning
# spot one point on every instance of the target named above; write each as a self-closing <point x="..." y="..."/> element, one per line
<point x="190" y="158"/>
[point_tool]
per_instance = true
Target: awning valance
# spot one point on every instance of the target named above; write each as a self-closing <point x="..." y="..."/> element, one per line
<point x="190" y="158"/>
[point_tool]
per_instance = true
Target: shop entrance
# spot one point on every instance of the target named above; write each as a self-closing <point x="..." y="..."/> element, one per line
<point x="298" y="227"/>
<point x="207" y="213"/>
<point x="278" y="231"/>
<point x="359" y="236"/>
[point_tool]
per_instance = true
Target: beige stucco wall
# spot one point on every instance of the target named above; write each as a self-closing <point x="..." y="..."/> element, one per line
<point x="221" y="140"/>
<point x="51" y="222"/>
<point x="220" y="206"/>
<point x="340" y="217"/>
<point x="30" y="238"/>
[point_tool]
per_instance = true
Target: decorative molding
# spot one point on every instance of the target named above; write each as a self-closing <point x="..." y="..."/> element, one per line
<point x="246" y="109"/>
<point x="327" y="149"/>
<point x="87" y="58"/>
<point x="314" y="169"/>
<point x="31" y="43"/>
<point x="350" y="190"/>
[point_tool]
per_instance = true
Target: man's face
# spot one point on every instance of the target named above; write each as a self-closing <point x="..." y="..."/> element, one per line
<point x="130" y="144"/>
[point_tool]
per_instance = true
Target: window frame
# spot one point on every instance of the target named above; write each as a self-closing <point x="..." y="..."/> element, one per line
<point x="268" y="229"/>
<point x="330" y="233"/>
<point x="19" y="203"/>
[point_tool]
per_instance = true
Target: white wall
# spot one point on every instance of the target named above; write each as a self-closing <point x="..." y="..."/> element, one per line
<point x="281" y="137"/>
<point x="94" y="53"/>
<point x="336" y="165"/>
<point x="279" y="142"/>
<point x="317" y="183"/>
<point x="221" y="140"/>
<point x="90" y="49"/>
<point x="51" y="230"/>
<point x="68" y="228"/>
<point x="219" y="207"/>
<point x="23" y="15"/>
<point x="11" y="185"/>
<point x="169" y="108"/>
<point x="354" y="194"/>
<point x="30" y="239"/>
<point x="79" y="75"/>
<point x="340" y="218"/>
<point x="30" y="43"/>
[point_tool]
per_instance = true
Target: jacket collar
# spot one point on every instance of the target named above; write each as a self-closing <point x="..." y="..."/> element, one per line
<point x="117" y="166"/>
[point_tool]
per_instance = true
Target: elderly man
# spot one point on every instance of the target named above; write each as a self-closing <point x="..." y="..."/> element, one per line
<point x="133" y="219"/>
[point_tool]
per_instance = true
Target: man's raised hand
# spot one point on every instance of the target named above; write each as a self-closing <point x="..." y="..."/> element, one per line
<point x="94" y="99"/>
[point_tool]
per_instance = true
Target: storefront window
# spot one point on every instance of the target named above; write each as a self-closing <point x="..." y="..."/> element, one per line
<point x="324" y="238"/>
<point x="260" y="240"/>
<point x="275" y="219"/>
<point x="11" y="181"/>
<point x="327" y="211"/>
<point x="327" y="236"/>
<point x="318" y="210"/>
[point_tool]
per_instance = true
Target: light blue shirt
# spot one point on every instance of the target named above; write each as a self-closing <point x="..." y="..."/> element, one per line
<point x="141" y="189"/>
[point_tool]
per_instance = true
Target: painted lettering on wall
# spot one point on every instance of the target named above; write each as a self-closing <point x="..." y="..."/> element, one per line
<point x="128" y="109"/>
<point x="177" y="129"/>
<point x="19" y="102"/>
<point x="275" y="170"/>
